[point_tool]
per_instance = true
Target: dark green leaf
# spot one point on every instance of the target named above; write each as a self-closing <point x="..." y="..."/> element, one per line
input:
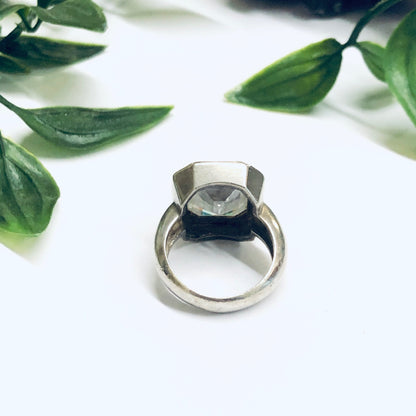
<point x="400" y="64"/>
<point x="331" y="7"/>
<point x="294" y="83"/>
<point x="11" y="66"/>
<point x="36" y="52"/>
<point x="373" y="55"/>
<point x="43" y="3"/>
<point x="47" y="3"/>
<point x="79" y="127"/>
<point x="325" y="7"/>
<point x="77" y="13"/>
<point x="28" y="192"/>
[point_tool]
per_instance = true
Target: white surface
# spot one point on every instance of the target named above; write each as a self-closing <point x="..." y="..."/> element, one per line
<point x="86" y="328"/>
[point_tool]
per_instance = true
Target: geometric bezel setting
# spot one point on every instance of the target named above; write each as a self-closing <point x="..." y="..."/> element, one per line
<point x="198" y="175"/>
<point x="211" y="225"/>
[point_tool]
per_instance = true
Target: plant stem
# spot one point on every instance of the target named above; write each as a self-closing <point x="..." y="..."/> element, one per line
<point x="36" y="27"/>
<point x="24" y="25"/>
<point x="8" y="104"/>
<point x="27" y="20"/>
<point x="13" y="35"/>
<point x="22" y="15"/>
<point x="379" y="8"/>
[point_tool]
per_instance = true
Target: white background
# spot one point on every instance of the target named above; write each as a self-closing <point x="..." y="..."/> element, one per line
<point x="85" y="326"/>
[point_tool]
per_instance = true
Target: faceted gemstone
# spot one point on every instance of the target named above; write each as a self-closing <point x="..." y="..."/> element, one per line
<point x="218" y="200"/>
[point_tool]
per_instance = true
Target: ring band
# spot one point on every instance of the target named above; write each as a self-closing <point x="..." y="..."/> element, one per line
<point x="219" y="200"/>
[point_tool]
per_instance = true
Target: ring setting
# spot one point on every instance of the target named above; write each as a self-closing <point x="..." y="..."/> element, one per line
<point x="219" y="200"/>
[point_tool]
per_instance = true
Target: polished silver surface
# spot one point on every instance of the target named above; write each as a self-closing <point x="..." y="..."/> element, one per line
<point x="198" y="175"/>
<point x="263" y="224"/>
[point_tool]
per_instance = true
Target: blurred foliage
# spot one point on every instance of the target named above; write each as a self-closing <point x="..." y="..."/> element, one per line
<point x="332" y="7"/>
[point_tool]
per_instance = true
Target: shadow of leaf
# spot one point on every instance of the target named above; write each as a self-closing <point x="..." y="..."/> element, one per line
<point x="48" y="150"/>
<point x="54" y="86"/>
<point x="24" y="246"/>
<point x="45" y="149"/>
<point x="166" y="14"/>
<point x="399" y="138"/>
<point x="130" y="7"/>
<point x="376" y="99"/>
<point x="402" y="143"/>
<point x="296" y="8"/>
<point x="299" y="7"/>
<point x="170" y="20"/>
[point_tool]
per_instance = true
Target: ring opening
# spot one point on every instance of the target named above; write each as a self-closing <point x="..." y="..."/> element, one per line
<point x="220" y="268"/>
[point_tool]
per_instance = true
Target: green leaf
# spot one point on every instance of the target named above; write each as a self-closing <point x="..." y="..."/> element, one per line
<point x="83" y="128"/>
<point x="37" y="52"/>
<point x="47" y="3"/>
<point x="28" y="192"/>
<point x="400" y="64"/>
<point x="11" y="66"/>
<point x="77" y="13"/>
<point x="373" y="55"/>
<point x="7" y="8"/>
<point x="294" y="83"/>
<point x="84" y="14"/>
<point x="43" y="3"/>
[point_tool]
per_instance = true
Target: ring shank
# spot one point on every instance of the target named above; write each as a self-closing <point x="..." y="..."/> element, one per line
<point x="266" y="227"/>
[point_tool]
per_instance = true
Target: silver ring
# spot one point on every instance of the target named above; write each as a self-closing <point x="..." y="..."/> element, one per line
<point x="219" y="200"/>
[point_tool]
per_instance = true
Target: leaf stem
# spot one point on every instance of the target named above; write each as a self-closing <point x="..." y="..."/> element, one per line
<point x="8" y="104"/>
<point x="22" y="16"/>
<point x="36" y="26"/>
<point x="379" y="8"/>
<point x="13" y="35"/>
<point x="24" y="25"/>
<point x="27" y="18"/>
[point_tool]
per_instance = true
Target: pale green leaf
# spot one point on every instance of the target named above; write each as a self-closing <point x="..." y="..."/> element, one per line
<point x="373" y="55"/>
<point x="400" y="64"/>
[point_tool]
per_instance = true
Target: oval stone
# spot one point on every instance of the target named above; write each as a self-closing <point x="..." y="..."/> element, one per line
<point x="218" y="200"/>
